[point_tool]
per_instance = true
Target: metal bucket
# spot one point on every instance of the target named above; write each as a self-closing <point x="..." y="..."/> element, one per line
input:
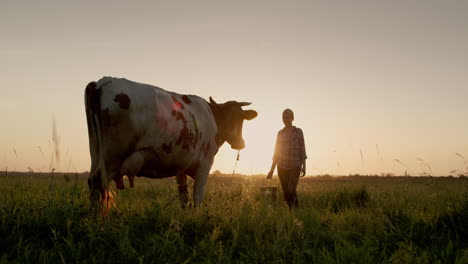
<point x="269" y="192"/>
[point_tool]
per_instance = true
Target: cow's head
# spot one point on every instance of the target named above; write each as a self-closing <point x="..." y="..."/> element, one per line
<point x="229" y="120"/>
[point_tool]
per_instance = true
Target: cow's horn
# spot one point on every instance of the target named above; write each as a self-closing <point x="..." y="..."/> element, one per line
<point x="212" y="101"/>
<point x="244" y="104"/>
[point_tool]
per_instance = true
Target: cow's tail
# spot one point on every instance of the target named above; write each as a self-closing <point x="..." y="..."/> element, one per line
<point x="92" y="105"/>
<point x="96" y="181"/>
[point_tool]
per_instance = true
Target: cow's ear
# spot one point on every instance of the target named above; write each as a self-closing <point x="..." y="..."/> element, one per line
<point x="249" y="114"/>
<point x="212" y="101"/>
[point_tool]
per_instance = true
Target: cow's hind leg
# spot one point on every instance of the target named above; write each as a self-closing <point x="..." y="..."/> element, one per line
<point x="183" y="190"/>
<point x="96" y="188"/>
<point x="102" y="199"/>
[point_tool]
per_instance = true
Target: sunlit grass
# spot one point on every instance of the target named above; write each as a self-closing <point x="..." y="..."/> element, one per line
<point x="46" y="218"/>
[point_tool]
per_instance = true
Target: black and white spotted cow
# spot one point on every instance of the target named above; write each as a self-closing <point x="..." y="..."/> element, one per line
<point x="141" y="130"/>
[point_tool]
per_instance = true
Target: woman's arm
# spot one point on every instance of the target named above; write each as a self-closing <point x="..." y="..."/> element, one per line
<point x="303" y="153"/>
<point x="270" y="173"/>
<point x="275" y="155"/>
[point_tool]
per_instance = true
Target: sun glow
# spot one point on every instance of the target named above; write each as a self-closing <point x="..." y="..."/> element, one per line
<point x="259" y="135"/>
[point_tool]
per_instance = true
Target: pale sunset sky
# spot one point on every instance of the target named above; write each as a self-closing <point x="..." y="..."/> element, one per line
<point x="388" y="79"/>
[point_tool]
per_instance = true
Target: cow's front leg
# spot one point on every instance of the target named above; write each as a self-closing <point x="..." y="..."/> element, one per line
<point x="183" y="190"/>
<point x="131" y="179"/>
<point x="200" y="181"/>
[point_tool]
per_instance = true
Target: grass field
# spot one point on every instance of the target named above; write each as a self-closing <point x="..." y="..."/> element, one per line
<point x="46" y="219"/>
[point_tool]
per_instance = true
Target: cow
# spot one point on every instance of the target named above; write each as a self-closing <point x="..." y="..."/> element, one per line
<point x="142" y="130"/>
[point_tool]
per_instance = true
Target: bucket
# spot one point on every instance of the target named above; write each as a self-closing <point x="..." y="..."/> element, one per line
<point x="269" y="192"/>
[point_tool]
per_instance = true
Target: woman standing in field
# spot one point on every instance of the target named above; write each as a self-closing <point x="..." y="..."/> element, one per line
<point x="290" y="158"/>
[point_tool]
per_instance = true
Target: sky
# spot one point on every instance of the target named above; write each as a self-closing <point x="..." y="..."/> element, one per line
<point x="376" y="86"/>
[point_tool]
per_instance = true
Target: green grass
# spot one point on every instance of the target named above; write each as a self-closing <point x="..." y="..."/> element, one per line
<point x="46" y="219"/>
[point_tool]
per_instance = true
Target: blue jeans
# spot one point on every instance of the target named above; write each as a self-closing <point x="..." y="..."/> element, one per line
<point x="289" y="179"/>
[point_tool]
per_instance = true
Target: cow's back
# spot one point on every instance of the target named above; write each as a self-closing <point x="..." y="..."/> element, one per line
<point x="178" y="129"/>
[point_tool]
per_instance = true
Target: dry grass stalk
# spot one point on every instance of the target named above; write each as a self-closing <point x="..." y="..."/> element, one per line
<point x="404" y="165"/>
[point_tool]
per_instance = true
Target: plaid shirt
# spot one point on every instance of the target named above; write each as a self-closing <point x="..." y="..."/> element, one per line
<point x="290" y="148"/>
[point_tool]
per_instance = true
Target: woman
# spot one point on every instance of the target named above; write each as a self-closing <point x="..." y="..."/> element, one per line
<point x="290" y="158"/>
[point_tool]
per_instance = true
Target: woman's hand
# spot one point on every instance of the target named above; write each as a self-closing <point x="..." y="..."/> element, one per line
<point x="270" y="175"/>
<point x="303" y="169"/>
